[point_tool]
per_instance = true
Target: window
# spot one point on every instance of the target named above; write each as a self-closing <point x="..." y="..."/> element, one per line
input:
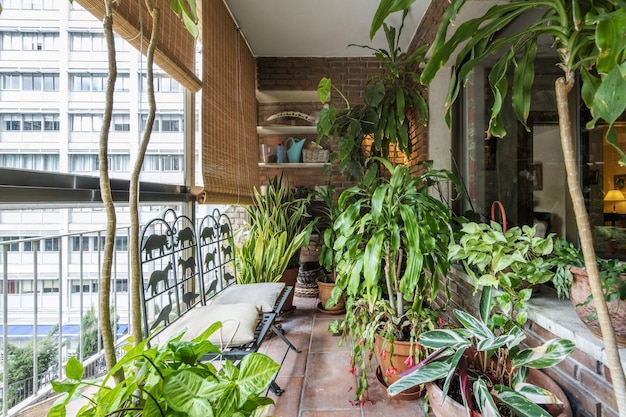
<point x="30" y="245"/>
<point x="11" y="81"/>
<point x="50" y="82"/>
<point x="12" y="247"/>
<point x="121" y="122"/>
<point x="165" y="163"/>
<point x="119" y="163"/>
<point x="75" y="242"/>
<point x="121" y="243"/>
<point x="40" y="162"/>
<point x="83" y="162"/>
<point x="87" y="42"/>
<point x="11" y="41"/>
<point x="12" y="122"/>
<point x="51" y="245"/>
<point x="85" y="122"/>
<point x="26" y="286"/>
<point x="49" y="285"/>
<point x="162" y="83"/>
<point x="89" y="285"/>
<point x="32" y="82"/>
<point x="122" y="82"/>
<point x="51" y="122"/>
<point x="32" y="122"/>
<point x="164" y="123"/>
<point x="32" y="41"/>
<point x="121" y="285"/>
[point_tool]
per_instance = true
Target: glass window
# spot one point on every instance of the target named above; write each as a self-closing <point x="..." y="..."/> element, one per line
<point x="12" y="247"/>
<point x="51" y="122"/>
<point x="122" y="82"/>
<point x="41" y="162"/>
<point x="121" y="243"/>
<point x="11" y="81"/>
<point x="83" y="162"/>
<point x="49" y="285"/>
<point x="30" y="245"/>
<point x="121" y="122"/>
<point x="11" y="41"/>
<point x="119" y="163"/>
<point x="86" y="122"/>
<point x="32" y="82"/>
<point x="51" y="245"/>
<point x="27" y="286"/>
<point x="12" y="122"/>
<point x="121" y="285"/>
<point x="50" y="82"/>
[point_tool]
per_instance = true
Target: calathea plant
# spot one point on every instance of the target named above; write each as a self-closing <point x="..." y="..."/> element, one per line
<point x="488" y="363"/>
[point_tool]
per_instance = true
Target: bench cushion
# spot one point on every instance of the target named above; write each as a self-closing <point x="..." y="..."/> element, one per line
<point x="264" y="295"/>
<point x="239" y="322"/>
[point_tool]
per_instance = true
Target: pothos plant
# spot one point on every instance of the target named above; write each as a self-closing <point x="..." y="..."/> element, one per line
<point x="392" y="105"/>
<point x="171" y="380"/>
<point x="513" y="262"/>
<point x="391" y="248"/>
<point x="488" y="363"/>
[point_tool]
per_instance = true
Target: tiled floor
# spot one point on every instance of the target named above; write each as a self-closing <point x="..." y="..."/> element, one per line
<point x="317" y="381"/>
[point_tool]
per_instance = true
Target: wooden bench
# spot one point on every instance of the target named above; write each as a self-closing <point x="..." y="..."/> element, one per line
<point x="189" y="282"/>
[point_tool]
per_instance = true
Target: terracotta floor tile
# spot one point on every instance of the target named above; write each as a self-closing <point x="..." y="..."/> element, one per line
<point x="288" y="403"/>
<point x="295" y="363"/>
<point x="382" y="405"/>
<point x="355" y="412"/>
<point x="322" y="340"/>
<point x="328" y="382"/>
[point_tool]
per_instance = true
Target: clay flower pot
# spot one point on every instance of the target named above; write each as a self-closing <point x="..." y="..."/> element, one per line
<point x="580" y="292"/>
<point x="325" y="290"/>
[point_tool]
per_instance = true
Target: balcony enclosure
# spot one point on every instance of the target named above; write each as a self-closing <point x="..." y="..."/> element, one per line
<point x="204" y="148"/>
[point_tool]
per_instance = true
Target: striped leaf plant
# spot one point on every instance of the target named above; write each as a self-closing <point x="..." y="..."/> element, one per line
<point x="490" y="364"/>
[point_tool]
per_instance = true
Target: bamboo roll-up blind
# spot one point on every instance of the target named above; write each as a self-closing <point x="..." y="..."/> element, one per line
<point x="175" y="53"/>
<point x="229" y="113"/>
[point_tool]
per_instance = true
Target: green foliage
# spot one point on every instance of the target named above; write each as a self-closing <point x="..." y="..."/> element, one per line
<point x="390" y="252"/>
<point x="390" y="102"/>
<point x="489" y="360"/>
<point x="171" y="380"/>
<point x="272" y="214"/>
<point x="511" y="261"/>
<point x="330" y="212"/>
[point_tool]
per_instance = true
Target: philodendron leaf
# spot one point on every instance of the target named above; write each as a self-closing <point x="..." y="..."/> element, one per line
<point x="483" y="398"/>
<point x="323" y="89"/>
<point x="74" y="369"/>
<point x="256" y="371"/>
<point x="518" y="403"/>
<point x="547" y="355"/>
<point x="188" y="392"/>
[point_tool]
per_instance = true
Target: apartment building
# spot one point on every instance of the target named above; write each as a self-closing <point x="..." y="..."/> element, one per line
<point x="52" y="86"/>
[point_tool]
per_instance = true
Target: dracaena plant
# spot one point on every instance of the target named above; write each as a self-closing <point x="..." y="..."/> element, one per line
<point x="172" y="380"/>
<point x="512" y="261"/>
<point x="489" y="363"/>
<point x="391" y="248"/>
<point x="588" y="38"/>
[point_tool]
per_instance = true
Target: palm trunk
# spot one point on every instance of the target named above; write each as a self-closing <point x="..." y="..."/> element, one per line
<point x="135" y="279"/>
<point x="563" y="86"/>
<point x="107" y="199"/>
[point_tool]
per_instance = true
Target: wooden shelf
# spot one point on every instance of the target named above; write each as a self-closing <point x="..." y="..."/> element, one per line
<point x="287" y="96"/>
<point x="294" y="165"/>
<point x="286" y="130"/>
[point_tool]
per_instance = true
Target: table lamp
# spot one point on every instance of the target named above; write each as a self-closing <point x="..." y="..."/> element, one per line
<point x="614" y="196"/>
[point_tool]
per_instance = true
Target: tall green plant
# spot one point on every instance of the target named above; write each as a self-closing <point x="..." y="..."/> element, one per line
<point x="588" y="38"/>
<point x="392" y="104"/>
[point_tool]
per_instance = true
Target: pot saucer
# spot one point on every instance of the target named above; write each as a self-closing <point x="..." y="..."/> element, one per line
<point x="333" y="312"/>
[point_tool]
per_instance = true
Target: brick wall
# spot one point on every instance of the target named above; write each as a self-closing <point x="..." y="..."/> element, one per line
<point x="584" y="379"/>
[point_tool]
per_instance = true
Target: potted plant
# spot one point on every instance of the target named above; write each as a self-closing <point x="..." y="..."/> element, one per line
<point x="484" y="361"/>
<point x="326" y="283"/>
<point x="171" y="379"/>
<point x="514" y="262"/>
<point x="390" y="252"/>
<point x="571" y="280"/>
<point x="393" y="104"/>
<point x="272" y="214"/>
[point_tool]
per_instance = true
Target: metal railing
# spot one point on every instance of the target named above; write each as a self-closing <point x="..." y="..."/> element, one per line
<point x="49" y="297"/>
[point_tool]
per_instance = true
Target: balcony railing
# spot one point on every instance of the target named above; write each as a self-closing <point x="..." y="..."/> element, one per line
<point x="49" y="298"/>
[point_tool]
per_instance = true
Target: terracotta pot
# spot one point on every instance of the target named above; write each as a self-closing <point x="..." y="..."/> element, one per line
<point x="289" y="277"/>
<point x="400" y="355"/>
<point x="449" y="408"/>
<point x="580" y="291"/>
<point x="325" y="290"/>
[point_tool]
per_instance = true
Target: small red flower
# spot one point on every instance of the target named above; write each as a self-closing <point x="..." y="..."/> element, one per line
<point x="391" y="371"/>
<point x="441" y="322"/>
<point x="410" y="362"/>
<point x="383" y="354"/>
<point x="353" y="370"/>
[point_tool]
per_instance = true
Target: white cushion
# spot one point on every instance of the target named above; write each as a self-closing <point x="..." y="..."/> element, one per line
<point x="263" y="294"/>
<point x="238" y="324"/>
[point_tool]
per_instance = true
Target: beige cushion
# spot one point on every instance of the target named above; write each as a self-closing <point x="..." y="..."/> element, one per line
<point x="238" y="324"/>
<point x="264" y="295"/>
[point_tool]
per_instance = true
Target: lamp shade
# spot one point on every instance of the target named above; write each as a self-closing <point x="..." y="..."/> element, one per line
<point x="614" y="196"/>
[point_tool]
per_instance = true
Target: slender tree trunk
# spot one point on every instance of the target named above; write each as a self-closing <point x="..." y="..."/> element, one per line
<point x="563" y="87"/>
<point x="135" y="281"/>
<point x="107" y="198"/>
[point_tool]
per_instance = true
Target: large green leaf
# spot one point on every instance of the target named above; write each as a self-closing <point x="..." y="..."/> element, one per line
<point x="185" y="391"/>
<point x="256" y="371"/>
<point x="427" y="373"/>
<point x="536" y="395"/>
<point x="544" y="356"/>
<point x="523" y="79"/>
<point x="471" y="323"/>
<point x="486" y="404"/>
<point x="438" y="338"/>
<point x="610" y="40"/>
<point x="519" y="404"/>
